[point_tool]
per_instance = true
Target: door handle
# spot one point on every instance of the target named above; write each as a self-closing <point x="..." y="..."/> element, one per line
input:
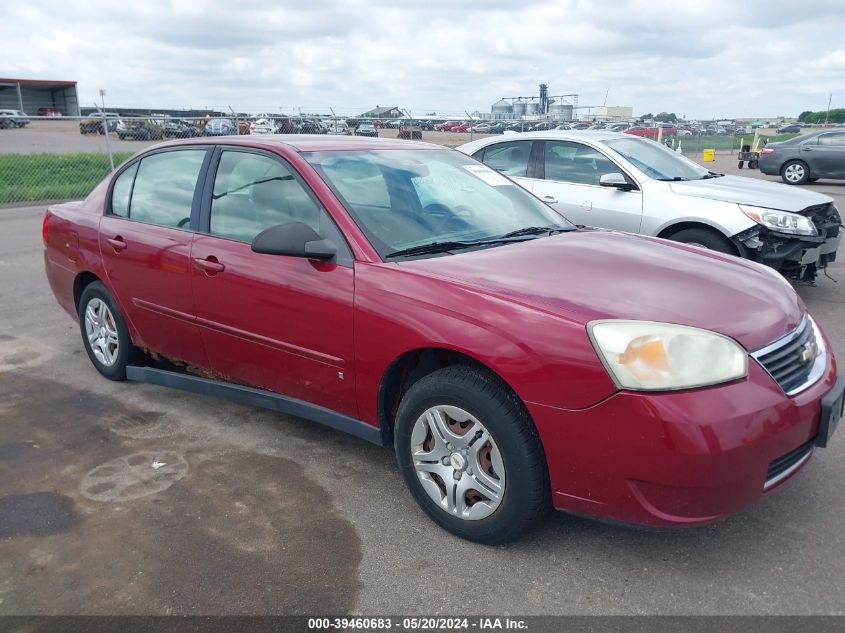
<point x="549" y="199"/>
<point x="210" y="265"/>
<point x="806" y="149"/>
<point x="117" y="243"/>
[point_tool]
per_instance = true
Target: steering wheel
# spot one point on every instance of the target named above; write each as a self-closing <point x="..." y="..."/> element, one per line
<point x="183" y="222"/>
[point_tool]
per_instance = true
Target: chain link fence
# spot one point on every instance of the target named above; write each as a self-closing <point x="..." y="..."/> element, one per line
<point x="58" y="158"/>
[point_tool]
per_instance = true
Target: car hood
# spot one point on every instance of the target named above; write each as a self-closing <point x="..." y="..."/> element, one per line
<point x="751" y="191"/>
<point x="595" y="274"/>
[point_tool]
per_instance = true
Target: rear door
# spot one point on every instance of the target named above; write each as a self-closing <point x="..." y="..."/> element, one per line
<point x="276" y="322"/>
<point x="569" y="182"/>
<point x="511" y="158"/>
<point x="827" y="159"/>
<point x="145" y="242"/>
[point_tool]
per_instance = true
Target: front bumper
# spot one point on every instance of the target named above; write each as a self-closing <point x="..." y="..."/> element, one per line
<point x="677" y="458"/>
<point x="785" y="251"/>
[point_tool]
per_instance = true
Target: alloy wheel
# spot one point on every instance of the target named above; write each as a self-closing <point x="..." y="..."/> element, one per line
<point x="794" y="173"/>
<point x="101" y="330"/>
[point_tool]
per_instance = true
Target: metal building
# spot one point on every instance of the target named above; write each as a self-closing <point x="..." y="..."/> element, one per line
<point x="30" y="95"/>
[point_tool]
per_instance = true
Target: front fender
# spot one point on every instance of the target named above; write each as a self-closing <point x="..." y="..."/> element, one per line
<point x="544" y="357"/>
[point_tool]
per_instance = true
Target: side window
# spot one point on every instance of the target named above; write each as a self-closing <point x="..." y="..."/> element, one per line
<point x="576" y="163"/>
<point x="510" y="158"/>
<point x="836" y="139"/>
<point x="254" y="192"/>
<point x="121" y="190"/>
<point x="164" y="188"/>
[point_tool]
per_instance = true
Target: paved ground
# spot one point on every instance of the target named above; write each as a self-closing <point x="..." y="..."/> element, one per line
<point x="259" y="513"/>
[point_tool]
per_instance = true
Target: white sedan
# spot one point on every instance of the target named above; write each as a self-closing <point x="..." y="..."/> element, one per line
<point x="622" y="182"/>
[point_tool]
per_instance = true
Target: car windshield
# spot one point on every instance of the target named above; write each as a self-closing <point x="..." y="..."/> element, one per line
<point x="405" y="199"/>
<point x="657" y="161"/>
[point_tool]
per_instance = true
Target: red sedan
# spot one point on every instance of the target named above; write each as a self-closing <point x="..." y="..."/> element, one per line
<point x="652" y="132"/>
<point x="415" y="298"/>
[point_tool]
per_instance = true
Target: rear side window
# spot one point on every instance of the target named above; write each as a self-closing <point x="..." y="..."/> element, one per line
<point x="163" y="193"/>
<point x="510" y="158"/>
<point x="121" y="190"/>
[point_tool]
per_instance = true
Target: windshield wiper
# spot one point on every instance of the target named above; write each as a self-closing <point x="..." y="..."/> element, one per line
<point x="711" y="174"/>
<point x="535" y="230"/>
<point x="519" y="235"/>
<point x="433" y="247"/>
<point x="673" y="179"/>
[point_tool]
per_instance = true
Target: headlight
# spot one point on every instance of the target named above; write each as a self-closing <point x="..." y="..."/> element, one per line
<point x="781" y="221"/>
<point x="651" y="356"/>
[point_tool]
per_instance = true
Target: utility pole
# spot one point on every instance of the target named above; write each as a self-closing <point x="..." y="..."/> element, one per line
<point x="827" y="114"/>
<point x="106" y="126"/>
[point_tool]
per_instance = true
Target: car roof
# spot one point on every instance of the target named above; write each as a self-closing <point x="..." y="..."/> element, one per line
<point x="595" y="136"/>
<point x="309" y="142"/>
<point x="589" y="135"/>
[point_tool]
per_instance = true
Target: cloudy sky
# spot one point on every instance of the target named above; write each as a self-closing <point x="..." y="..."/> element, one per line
<point x="694" y="57"/>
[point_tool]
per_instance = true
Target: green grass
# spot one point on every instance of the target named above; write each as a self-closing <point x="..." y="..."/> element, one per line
<point x="29" y="177"/>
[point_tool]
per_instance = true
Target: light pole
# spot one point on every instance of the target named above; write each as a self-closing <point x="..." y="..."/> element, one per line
<point x="106" y="126"/>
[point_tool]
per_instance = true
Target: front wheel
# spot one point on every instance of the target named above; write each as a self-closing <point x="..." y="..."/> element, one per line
<point x="705" y="238"/>
<point x="471" y="456"/>
<point x="104" y="332"/>
<point x="795" y="172"/>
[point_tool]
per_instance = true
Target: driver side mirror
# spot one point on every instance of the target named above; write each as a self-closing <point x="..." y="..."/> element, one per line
<point x="617" y="181"/>
<point x="294" y="239"/>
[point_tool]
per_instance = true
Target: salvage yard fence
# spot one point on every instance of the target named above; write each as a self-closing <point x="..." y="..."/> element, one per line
<point x="48" y="158"/>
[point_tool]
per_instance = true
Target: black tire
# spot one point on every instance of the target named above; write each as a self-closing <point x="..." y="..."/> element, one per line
<point x="708" y="238"/>
<point x="753" y="164"/>
<point x="797" y="165"/>
<point x="126" y="352"/>
<point x="741" y="164"/>
<point x="527" y="493"/>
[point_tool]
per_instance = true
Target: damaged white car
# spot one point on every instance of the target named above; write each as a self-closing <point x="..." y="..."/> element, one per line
<point x="623" y="182"/>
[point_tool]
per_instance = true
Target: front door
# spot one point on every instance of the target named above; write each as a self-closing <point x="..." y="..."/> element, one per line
<point x="569" y="182"/>
<point x="275" y="322"/>
<point x="145" y="242"/>
<point x="827" y="159"/>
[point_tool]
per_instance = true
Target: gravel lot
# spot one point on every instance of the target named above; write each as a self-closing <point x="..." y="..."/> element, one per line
<point x="258" y="513"/>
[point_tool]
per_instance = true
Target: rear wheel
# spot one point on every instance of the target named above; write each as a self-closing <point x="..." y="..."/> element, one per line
<point x="471" y="456"/>
<point x="705" y="238"/>
<point x="795" y="172"/>
<point x="104" y="332"/>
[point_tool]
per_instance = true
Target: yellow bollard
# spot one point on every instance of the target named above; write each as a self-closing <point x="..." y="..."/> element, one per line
<point x="709" y="155"/>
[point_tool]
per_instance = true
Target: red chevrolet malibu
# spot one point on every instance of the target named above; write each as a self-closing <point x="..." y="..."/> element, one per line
<point x="413" y="297"/>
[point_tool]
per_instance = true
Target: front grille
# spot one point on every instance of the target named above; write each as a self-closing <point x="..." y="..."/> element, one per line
<point x="792" y="359"/>
<point x="785" y="464"/>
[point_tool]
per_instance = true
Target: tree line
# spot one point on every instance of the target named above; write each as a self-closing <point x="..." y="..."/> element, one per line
<point x="837" y="115"/>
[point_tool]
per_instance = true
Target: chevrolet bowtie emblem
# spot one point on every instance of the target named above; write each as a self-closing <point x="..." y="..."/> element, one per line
<point x="808" y="353"/>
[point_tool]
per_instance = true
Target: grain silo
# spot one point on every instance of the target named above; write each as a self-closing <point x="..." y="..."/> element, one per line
<point x="502" y="109"/>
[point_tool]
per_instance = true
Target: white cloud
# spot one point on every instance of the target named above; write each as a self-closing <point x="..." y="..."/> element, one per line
<point x="719" y="58"/>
